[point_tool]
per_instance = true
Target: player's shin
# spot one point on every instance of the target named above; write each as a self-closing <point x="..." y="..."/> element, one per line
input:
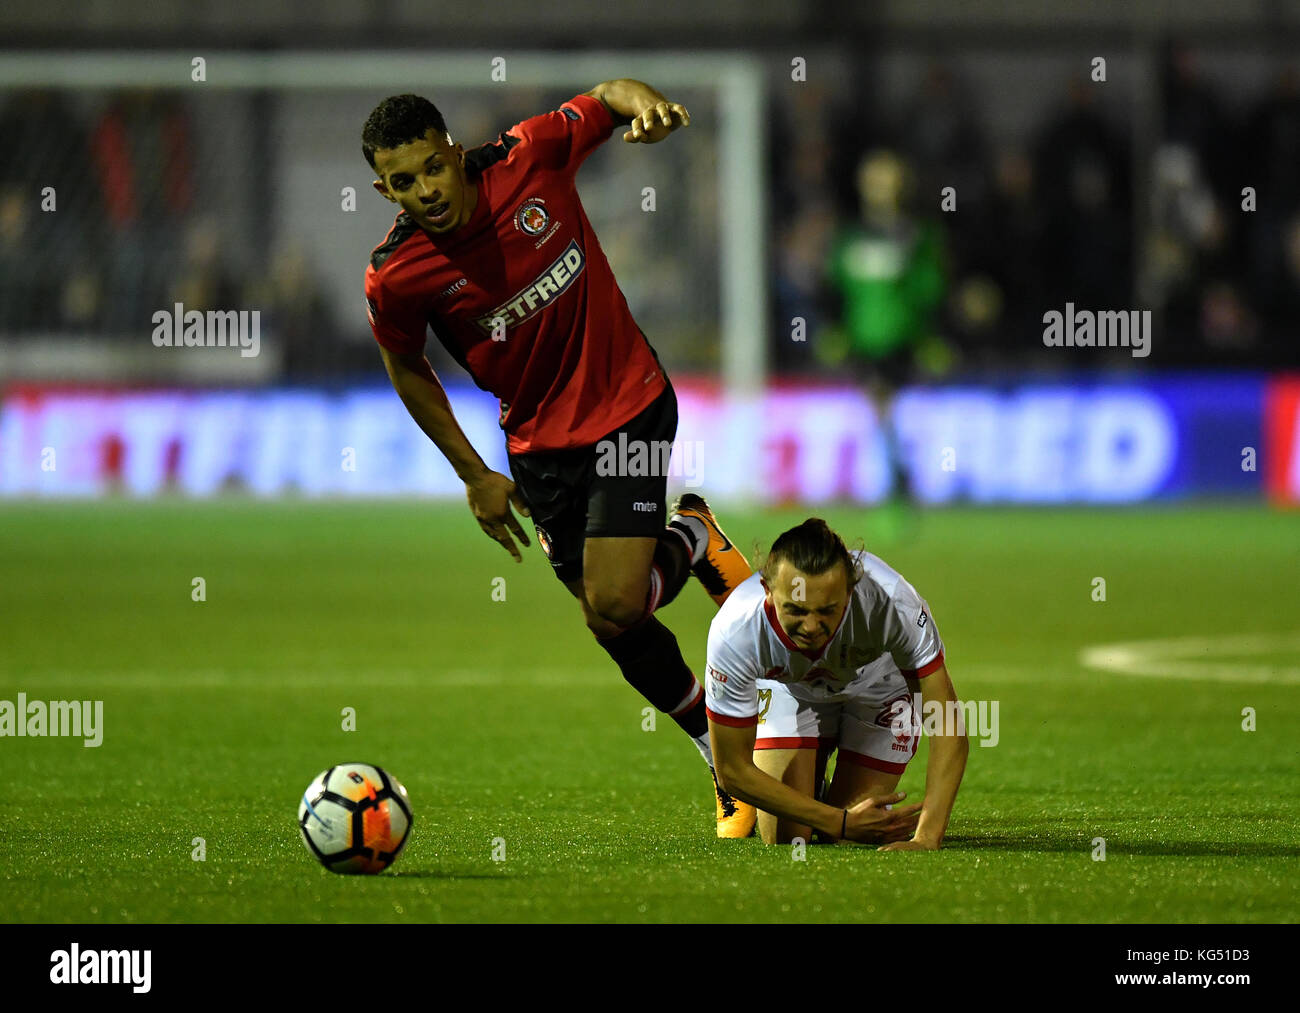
<point x="650" y="660"/>
<point x="669" y="569"/>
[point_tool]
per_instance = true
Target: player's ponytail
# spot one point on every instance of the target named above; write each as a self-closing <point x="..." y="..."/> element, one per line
<point x="811" y="548"/>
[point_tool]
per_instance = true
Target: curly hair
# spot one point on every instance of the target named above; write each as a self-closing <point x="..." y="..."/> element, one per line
<point x="398" y="120"/>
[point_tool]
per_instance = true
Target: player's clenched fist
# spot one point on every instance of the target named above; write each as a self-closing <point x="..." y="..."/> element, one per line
<point x="869" y="822"/>
<point x="656" y="122"/>
<point x="490" y="497"/>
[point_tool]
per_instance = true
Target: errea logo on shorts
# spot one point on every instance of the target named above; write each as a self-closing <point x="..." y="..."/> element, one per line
<point x="536" y="296"/>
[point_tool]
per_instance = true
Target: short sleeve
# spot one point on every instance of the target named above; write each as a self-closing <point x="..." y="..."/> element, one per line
<point x="397" y="326"/>
<point x="910" y="635"/>
<point x="564" y="137"/>
<point x="730" y="682"/>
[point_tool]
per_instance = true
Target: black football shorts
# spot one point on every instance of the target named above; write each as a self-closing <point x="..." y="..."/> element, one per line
<point x="613" y="489"/>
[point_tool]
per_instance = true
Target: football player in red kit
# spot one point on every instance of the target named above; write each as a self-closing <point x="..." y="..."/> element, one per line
<point x="493" y="252"/>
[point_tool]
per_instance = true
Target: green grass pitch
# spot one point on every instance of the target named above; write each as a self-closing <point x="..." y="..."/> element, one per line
<point x="505" y="720"/>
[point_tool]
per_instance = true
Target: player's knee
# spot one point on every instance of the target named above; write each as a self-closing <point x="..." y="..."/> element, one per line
<point x="602" y="629"/>
<point x="615" y="606"/>
<point x="785" y="835"/>
<point x="772" y="830"/>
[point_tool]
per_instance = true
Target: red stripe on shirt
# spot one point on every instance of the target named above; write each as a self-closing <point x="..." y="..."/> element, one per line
<point x="728" y="720"/>
<point x="933" y="665"/>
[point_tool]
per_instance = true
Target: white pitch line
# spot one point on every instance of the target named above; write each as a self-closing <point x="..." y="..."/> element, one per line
<point x="1191" y="658"/>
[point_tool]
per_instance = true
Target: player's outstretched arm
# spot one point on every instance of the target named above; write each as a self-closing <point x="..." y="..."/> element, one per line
<point x="648" y="113"/>
<point x="490" y="494"/>
<point x="868" y="822"/>
<point x="947" y="762"/>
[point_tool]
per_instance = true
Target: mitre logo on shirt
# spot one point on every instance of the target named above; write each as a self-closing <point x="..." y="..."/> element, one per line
<point x="539" y="293"/>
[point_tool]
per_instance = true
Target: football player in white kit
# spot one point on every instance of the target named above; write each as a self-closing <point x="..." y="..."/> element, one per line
<point x="830" y="649"/>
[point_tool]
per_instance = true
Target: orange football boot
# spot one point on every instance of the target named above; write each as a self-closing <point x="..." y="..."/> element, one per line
<point x="723" y="567"/>
<point x="735" y="818"/>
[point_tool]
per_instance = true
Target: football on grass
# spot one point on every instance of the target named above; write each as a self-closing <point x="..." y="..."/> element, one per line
<point x="355" y="818"/>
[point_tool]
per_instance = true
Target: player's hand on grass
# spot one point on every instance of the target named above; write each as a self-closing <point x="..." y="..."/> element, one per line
<point x="657" y="122"/>
<point x="869" y="822"/>
<point x="490" y="497"/>
<point x="915" y="844"/>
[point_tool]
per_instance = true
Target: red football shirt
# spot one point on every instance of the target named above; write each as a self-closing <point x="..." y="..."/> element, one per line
<point x="521" y="295"/>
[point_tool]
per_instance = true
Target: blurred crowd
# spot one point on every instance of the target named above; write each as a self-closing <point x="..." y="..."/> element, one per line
<point x="885" y="278"/>
<point x="881" y="271"/>
<point x="111" y="209"/>
<point x="101" y="225"/>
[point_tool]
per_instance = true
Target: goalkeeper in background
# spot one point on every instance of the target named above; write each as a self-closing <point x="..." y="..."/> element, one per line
<point x="888" y="269"/>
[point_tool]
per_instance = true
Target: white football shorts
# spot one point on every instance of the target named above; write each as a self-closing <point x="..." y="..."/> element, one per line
<point x="872" y="722"/>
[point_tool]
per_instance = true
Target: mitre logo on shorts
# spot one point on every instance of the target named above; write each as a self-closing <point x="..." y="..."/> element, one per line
<point x="922" y="619"/>
<point x="544" y="540"/>
<point x="540" y="293"/>
<point x="531" y="218"/>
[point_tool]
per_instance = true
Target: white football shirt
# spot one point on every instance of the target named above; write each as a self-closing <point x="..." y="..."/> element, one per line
<point x="886" y="624"/>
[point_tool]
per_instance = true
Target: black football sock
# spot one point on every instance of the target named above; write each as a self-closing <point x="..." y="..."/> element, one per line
<point x="692" y="719"/>
<point x="650" y="660"/>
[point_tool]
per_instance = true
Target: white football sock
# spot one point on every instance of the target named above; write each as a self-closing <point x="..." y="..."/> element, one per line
<point x="694" y="533"/>
<point x="702" y="743"/>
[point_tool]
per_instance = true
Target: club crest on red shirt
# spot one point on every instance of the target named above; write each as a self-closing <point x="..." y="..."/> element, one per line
<point x="531" y="216"/>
